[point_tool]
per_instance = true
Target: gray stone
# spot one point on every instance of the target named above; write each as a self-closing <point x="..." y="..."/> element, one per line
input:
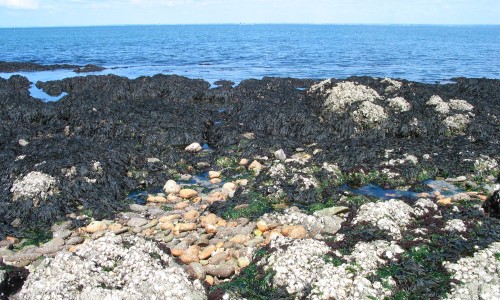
<point x="460" y="197"/>
<point x="76" y="240"/>
<point x="168" y="238"/>
<point x="120" y="231"/>
<point x="224" y="270"/>
<point x="62" y="234"/>
<point x="138" y="208"/>
<point x="171" y="187"/>
<point x="457" y="179"/>
<point x="280" y="154"/>
<point x="55" y="242"/>
<point x="331" y="225"/>
<point x="60" y="226"/>
<point x="217" y="258"/>
<point x="30" y="256"/>
<point x="130" y="215"/>
<point x="137" y="222"/>
<point x="5" y="252"/>
<point x="52" y="246"/>
<point x="330" y="211"/>
<point x="196" y="270"/>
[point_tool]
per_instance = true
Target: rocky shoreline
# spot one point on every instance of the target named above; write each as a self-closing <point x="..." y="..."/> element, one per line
<point x="13" y="67"/>
<point x="224" y="185"/>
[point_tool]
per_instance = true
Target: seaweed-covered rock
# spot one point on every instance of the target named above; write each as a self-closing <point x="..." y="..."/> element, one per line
<point x="121" y="122"/>
<point x="492" y="205"/>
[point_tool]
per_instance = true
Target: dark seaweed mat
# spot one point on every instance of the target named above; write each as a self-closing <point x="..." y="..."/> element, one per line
<point x="121" y="122"/>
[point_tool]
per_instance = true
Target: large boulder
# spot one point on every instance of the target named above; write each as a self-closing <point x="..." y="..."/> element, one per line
<point x="112" y="267"/>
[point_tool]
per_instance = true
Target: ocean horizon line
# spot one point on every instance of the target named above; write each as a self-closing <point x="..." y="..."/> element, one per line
<point x="257" y="24"/>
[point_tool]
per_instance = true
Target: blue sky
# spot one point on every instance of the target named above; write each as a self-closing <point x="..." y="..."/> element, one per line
<point x="29" y="13"/>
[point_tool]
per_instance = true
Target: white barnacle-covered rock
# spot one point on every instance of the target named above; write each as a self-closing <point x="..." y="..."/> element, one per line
<point x="439" y="105"/>
<point x="399" y="104"/>
<point x="424" y="206"/>
<point x="479" y="275"/>
<point x="344" y="94"/>
<point x="112" y="267"/>
<point x="296" y="263"/>
<point x="456" y="225"/>
<point x="394" y="85"/>
<point x="456" y="123"/>
<point x="368" y="114"/>
<point x="193" y="148"/>
<point x="485" y="164"/>
<point x="350" y="280"/>
<point x="322" y="223"/>
<point x="35" y="185"/>
<point x="434" y="100"/>
<point x="392" y="216"/>
<point x="461" y="105"/>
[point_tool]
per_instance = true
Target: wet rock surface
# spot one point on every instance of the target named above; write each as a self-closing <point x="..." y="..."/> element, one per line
<point x="224" y="177"/>
<point x="11" y="67"/>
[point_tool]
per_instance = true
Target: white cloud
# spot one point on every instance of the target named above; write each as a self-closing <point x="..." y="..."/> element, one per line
<point x="20" y="4"/>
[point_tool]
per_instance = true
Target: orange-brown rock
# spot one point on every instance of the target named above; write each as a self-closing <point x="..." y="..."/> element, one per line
<point x="272" y="235"/>
<point x="181" y="227"/>
<point x="209" y="219"/>
<point x="166" y="225"/>
<point x="255" y="166"/>
<point x="157" y="199"/>
<point x="181" y="205"/>
<point x="210" y="228"/>
<point x="169" y="218"/>
<point x="215" y="180"/>
<point x="207" y="252"/>
<point x="239" y="239"/>
<point x="12" y="240"/>
<point x="232" y="224"/>
<point x="188" y="193"/>
<point x="115" y="227"/>
<point x="294" y="232"/>
<point x="444" y="201"/>
<point x="210" y="279"/>
<point x="262" y="226"/>
<point x="190" y="255"/>
<point x="230" y="186"/>
<point x="171" y="198"/>
<point x="192" y="215"/>
<point x="243" y="162"/>
<point x="213" y="174"/>
<point x="482" y="197"/>
<point x="242" y="182"/>
<point x="96" y="226"/>
<point x="423" y="195"/>
<point x="177" y="251"/>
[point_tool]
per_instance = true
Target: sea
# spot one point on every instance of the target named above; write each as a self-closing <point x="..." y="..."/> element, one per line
<point x="421" y="53"/>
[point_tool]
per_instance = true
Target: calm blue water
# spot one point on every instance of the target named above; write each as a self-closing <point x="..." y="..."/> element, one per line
<point x="236" y="52"/>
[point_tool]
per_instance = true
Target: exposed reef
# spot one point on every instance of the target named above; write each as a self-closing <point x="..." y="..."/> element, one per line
<point x="95" y="144"/>
<point x="11" y="67"/>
